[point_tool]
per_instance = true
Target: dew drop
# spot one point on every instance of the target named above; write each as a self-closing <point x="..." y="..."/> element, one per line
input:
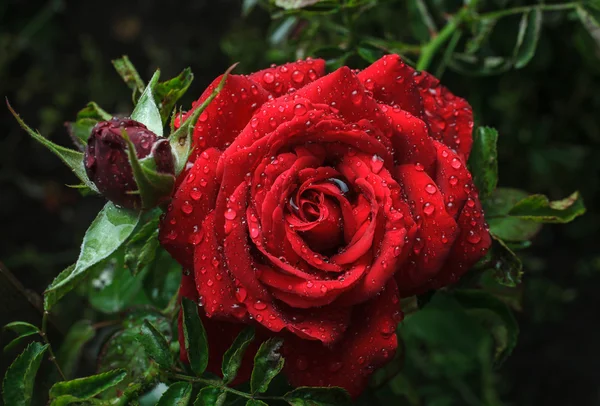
<point x="268" y="77"/>
<point x="300" y="109"/>
<point x="430" y="188"/>
<point x="455" y="163"/>
<point x="473" y="237"/>
<point x="356" y="97"/>
<point x="187" y="207"/>
<point x="230" y="214"/>
<point x="428" y="208"/>
<point x="297" y="76"/>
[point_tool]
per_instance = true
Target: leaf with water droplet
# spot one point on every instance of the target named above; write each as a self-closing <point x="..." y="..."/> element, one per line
<point x="17" y="386"/>
<point x="527" y="39"/>
<point x="309" y="396"/>
<point x="105" y="235"/>
<point x="181" y="139"/>
<point x="540" y="209"/>
<point x="155" y="344"/>
<point x="73" y="159"/>
<point x="483" y="161"/>
<point x="268" y="362"/>
<point x="210" y="396"/>
<point x="146" y="111"/>
<point x="195" y="340"/>
<point x="142" y="247"/>
<point x="88" y="387"/>
<point x="178" y="394"/>
<point x="232" y="359"/>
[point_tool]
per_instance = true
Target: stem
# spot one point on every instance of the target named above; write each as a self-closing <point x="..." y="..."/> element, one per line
<point x="525" y="9"/>
<point x="45" y="338"/>
<point x="222" y="386"/>
<point x="430" y="49"/>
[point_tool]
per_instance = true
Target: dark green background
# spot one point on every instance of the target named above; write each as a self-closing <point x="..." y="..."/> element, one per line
<point x="55" y="57"/>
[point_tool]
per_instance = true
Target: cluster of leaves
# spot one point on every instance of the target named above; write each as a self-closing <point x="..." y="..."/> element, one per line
<point x="339" y="31"/>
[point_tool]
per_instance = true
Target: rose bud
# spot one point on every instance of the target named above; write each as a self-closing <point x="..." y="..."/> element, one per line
<point x="107" y="163"/>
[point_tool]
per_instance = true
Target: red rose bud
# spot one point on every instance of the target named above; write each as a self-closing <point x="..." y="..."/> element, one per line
<point x="107" y="163"/>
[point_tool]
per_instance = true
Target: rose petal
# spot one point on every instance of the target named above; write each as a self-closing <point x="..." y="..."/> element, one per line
<point x="213" y="283"/>
<point x="279" y="80"/>
<point x="436" y="229"/>
<point x="369" y="343"/>
<point x="392" y="83"/>
<point x="227" y="114"/>
<point x="411" y="140"/>
<point x="450" y="118"/>
<point x="195" y="197"/>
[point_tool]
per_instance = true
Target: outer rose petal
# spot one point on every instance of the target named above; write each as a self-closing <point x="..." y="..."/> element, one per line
<point x="391" y="82"/>
<point x="472" y="243"/>
<point x="450" y="117"/>
<point x="368" y="344"/>
<point x="278" y="80"/>
<point x="220" y="336"/>
<point x="227" y="114"/>
<point x="194" y="198"/>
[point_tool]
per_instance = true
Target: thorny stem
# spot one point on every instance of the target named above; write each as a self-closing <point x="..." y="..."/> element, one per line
<point x="222" y="386"/>
<point x="45" y="338"/>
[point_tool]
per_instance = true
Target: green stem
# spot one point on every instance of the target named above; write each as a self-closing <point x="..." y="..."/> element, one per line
<point x="430" y="49"/>
<point x="222" y="386"/>
<point x="525" y="9"/>
<point x="45" y="338"/>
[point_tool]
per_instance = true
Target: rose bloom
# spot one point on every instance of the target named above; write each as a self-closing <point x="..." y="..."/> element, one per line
<point x="312" y="203"/>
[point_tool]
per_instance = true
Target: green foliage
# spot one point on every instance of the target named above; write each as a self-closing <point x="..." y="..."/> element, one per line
<point x="73" y="159"/>
<point x="305" y="396"/>
<point x="70" y="351"/>
<point x="483" y="161"/>
<point x="210" y="396"/>
<point x="81" y="129"/>
<point x="106" y="234"/>
<point x="503" y="225"/>
<point x="196" y="343"/>
<point x="538" y="208"/>
<point x="232" y="359"/>
<point x="23" y="330"/>
<point x="268" y="362"/>
<point x="178" y="394"/>
<point x="155" y="344"/>
<point x="17" y="386"/>
<point x="169" y="92"/>
<point x="146" y="110"/>
<point x="129" y="74"/>
<point x="88" y="387"/>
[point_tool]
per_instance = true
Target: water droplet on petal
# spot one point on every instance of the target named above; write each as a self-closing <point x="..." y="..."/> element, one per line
<point x="297" y="76"/>
<point x="268" y="77"/>
<point x="455" y="163"/>
<point x="187" y="207"/>
<point x="430" y="188"/>
<point x="428" y="208"/>
<point x="300" y="109"/>
<point x="473" y="237"/>
<point x="356" y="97"/>
<point x="230" y="214"/>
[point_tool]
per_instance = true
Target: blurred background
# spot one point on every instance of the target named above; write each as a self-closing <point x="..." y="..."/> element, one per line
<point x="55" y="57"/>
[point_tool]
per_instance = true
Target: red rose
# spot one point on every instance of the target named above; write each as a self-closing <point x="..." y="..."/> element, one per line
<point x="315" y="202"/>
